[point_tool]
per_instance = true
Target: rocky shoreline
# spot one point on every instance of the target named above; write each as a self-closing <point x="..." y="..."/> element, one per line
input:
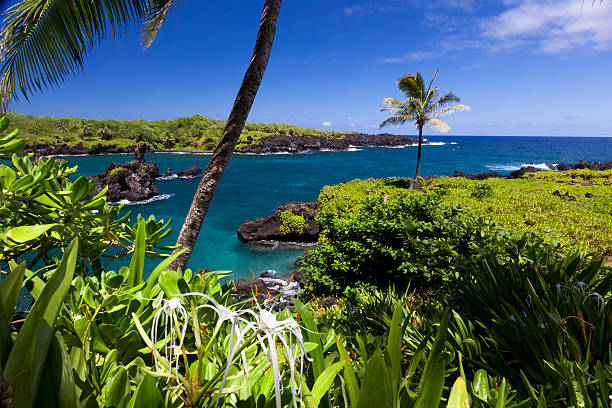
<point x="267" y="145"/>
<point x="299" y="144"/>
<point x="135" y="180"/>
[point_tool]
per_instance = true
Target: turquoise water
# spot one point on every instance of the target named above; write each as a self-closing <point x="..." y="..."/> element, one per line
<point x="253" y="186"/>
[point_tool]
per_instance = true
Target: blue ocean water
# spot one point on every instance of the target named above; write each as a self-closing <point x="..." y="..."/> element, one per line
<point x="254" y="185"/>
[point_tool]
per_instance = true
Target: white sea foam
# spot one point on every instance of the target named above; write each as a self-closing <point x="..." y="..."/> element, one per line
<point x="170" y="177"/>
<point x="453" y="142"/>
<point x="150" y="200"/>
<point x="194" y="153"/>
<point x="512" y="167"/>
<point x="354" y="149"/>
<point x="262" y="154"/>
<point x="436" y="144"/>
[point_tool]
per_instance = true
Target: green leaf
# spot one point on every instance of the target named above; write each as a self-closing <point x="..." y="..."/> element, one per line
<point x="376" y="388"/>
<point x="325" y="381"/>
<point x="350" y="379"/>
<point x="6" y="341"/>
<point x="57" y="387"/>
<point x="30" y="350"/>
<point x="21" y="183"/>
<point x="136" y="273"/>
<point x="312" y="330"/>
<point x="28" y="232"/>
<point x="147" y="395"/>
<point x="481" y="385"/>
<point x="542" y="402"/>
<point x="168" y="282"/>
<point x="4" y="122"/>
<point x="432" y="379"/>
<point x="10" y="288"/>
<point x="117" y="387"/>
<point x="459" y="396"/>
<point x="152" y="279"/>
<point x="79" y="189"/>
<point x="14" y="146"/>
<point x="501" y="398"/>
<point x="394" y="347"/>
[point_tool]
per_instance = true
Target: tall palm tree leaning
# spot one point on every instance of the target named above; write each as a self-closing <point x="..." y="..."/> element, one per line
<point x="423" y="106"/>
<point x="44" y="41"/>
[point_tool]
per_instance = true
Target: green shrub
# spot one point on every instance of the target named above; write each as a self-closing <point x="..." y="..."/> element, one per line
<point x="292" y="223"/>
<point x="482" y="190"/>
<point x="405" y="239"/>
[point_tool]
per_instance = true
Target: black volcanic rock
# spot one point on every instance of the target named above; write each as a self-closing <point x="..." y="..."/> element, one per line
<point x="478" y="176"/>
<point x="190" y="172"/>
<point x="282" y="143"/>
<point x="133" y="181"/>
<point x="522" y="171"/>
<point x="584" y="165"/>
<point x="64" y="149"/>
<point x="268" y="229"/>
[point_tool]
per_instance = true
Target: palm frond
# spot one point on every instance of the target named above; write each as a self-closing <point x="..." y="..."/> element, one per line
<point x="396" y="120"/>
<point x="395" y="110"/>
<point x="411" y="86"/>
<point x="438" y="125"/>
<point x="444" y="100"/>
<point x="432" y="94"/>
<point x="449" y="110"/>
<point x="432" y="81"/>
<point x="414" y="103"/>
<point x="155" y="16"/>
<point x="391" y="102"/>
<point x="44" y="41"/>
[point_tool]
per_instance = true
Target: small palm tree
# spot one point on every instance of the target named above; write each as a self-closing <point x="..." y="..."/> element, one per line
<point x="423" y="106"/>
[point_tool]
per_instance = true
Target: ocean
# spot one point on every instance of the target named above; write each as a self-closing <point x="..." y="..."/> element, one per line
<point x="254" y="185"/>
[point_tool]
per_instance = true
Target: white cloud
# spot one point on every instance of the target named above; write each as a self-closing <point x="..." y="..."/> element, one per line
<point x="537" y="26"/>
<point x="326" y="123"/>
<point x="551" y="26"/>
<point x="353" y="10"/>
<point x="411" y="56"/>
<point x="352" y="125"/>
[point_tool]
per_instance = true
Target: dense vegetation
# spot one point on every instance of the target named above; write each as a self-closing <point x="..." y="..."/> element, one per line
<point x="522" y="322"/>
<point x="196" y="132"/>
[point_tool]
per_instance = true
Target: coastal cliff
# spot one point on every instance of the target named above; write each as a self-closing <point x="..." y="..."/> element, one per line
<point x="297" y="144"/>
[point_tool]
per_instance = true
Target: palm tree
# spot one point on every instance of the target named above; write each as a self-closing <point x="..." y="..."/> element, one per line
<point x="44" y="41"/>
<point x="423" y="106"/>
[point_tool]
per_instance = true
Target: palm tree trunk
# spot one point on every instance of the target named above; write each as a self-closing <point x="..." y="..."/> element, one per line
<point x="418" y="167"/>
<point x="235" y="123"/>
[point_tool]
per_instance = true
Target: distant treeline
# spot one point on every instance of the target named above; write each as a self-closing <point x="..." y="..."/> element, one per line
<point x="196" y="132"/>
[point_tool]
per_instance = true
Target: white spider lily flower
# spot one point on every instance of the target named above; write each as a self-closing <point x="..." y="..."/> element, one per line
<point x="275" y="329"/>
<point x="239" y="327"/>
<point x="169" y="311"/>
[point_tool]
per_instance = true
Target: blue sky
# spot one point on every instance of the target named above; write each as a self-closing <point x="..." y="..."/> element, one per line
<point x="527" y="67"/>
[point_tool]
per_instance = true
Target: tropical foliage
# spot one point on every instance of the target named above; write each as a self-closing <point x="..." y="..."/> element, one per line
<point x="524" y="324"/>
<point x="423" y="106"/>
<point x="196" y="132"/>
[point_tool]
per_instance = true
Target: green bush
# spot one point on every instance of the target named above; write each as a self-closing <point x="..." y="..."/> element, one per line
<point x="405" y="239"/>
<point x="482" y="190"/>
<point x="292" y="223"/>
